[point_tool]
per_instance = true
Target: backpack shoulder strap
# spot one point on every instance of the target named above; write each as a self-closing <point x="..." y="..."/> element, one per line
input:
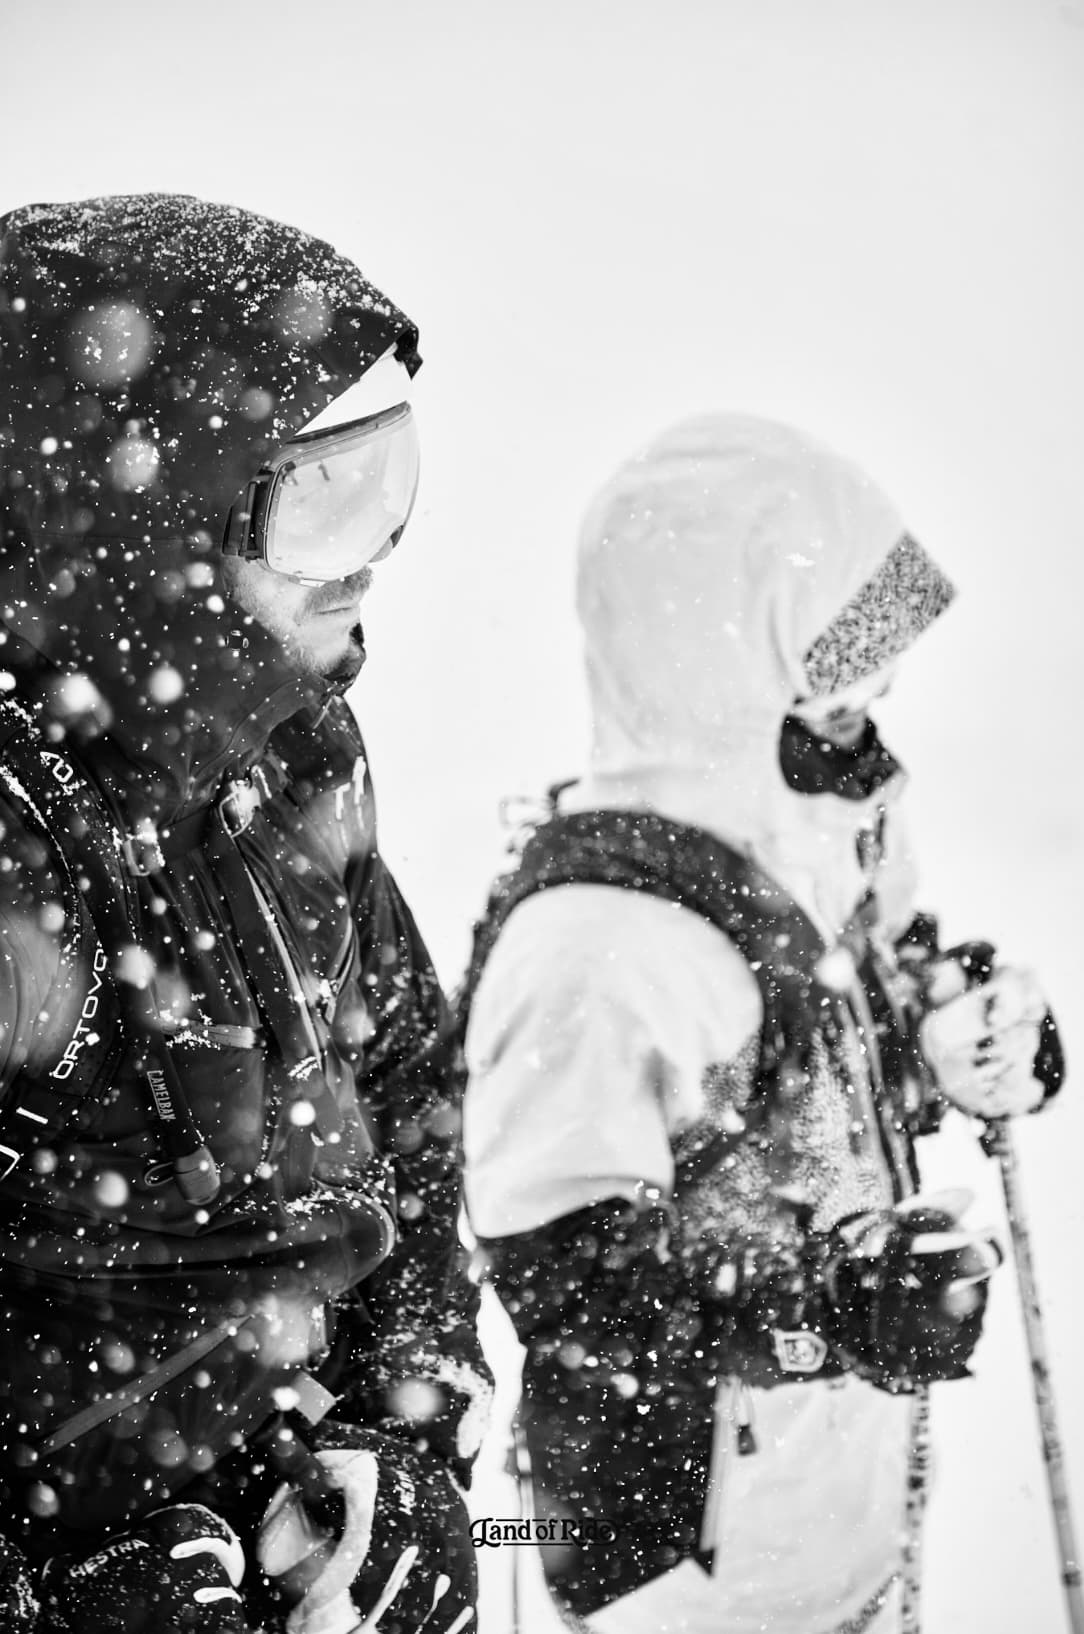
<point x="641" y="851"/>
<point x="40" y="1106"/>
<point x="76" y="819"/>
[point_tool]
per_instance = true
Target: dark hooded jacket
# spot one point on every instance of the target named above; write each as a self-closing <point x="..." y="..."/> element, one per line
<point x="154" y="350"/>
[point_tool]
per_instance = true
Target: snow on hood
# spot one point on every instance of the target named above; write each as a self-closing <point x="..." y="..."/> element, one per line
<point x="731" y="566"/>
<point x="154" y="349"/>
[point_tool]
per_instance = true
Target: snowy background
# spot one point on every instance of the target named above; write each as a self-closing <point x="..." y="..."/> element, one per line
<point x="860" y="215"/>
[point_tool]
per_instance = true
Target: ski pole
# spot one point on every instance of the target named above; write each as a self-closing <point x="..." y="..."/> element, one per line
<point x="918" y="1490"/>
<point x="521" y="1468"/>
<point x="997" y="1141"/>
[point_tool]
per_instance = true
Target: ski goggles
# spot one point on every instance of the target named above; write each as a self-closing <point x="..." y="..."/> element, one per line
<point x="330" y="501"/>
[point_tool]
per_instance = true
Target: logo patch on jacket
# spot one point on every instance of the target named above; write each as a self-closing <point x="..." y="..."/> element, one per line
<point x="800" y="1352"/>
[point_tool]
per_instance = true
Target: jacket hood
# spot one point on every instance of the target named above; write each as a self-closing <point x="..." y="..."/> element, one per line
<point x="154" y="350"/>
<point x="731" y="566"/>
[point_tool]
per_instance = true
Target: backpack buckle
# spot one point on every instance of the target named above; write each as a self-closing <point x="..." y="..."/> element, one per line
<point x="240" y="802"/>
<point x="142" y="852"/>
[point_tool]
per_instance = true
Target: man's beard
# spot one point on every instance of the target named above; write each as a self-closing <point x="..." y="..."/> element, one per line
<point x="299" y="627"/>
<point x="339" y="673"/>
<point x="346" y="671"/>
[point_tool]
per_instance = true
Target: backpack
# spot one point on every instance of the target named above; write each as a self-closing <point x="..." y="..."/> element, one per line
<point x="641" y="851"/>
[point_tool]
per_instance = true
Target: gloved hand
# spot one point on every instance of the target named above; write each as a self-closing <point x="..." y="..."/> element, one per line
<point x="403" y="1556"/>
<point x="905" y="1291"/>
<point x="983" y="1042"/>
<point x="178" y="1571"/>
<point x="18" y="1605"/>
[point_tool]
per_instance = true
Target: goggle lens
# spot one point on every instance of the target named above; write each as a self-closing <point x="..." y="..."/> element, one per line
<point x="341" y="500"/>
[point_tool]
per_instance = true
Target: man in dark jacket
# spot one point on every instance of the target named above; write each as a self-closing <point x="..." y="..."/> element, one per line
<point x="228" y="1115"/>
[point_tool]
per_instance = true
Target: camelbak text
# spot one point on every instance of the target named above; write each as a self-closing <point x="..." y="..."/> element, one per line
<point x="162" y="1103"/>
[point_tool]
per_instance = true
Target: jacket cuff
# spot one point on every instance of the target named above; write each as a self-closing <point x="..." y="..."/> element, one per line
<point x="769" y="1313"/>
<point x="435" y="1392"/>
<point x="601" y="1283"/>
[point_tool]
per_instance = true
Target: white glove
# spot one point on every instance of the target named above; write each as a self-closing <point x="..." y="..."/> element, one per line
<point x="981" y="1043"/>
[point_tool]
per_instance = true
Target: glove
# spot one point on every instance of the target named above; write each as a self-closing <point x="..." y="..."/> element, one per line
<point x="433" y="1389"/>
<point x="403" y="1555"/>
<point x="179" y="1571"/>
<point x="985" y="1044"/>
<point x="18" y="1606"/>
<point x="905" y="1291"/>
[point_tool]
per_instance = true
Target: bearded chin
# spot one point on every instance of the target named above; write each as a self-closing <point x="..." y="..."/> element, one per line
<point x="346" y="671"/>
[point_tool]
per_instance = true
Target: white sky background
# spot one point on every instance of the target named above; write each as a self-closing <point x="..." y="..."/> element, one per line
<point x="863" y="216"/>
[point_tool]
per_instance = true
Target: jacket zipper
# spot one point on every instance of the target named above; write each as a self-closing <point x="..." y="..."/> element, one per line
<point x="331" y="986"/>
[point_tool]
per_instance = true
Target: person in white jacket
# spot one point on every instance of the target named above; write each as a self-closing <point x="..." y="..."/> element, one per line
<point x="703" y="1029"/>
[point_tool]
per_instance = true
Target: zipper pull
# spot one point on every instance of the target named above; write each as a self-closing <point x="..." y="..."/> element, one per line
<point x="747" y="1441"/>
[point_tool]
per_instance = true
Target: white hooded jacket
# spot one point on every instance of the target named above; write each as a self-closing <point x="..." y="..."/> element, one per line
<point x="732" y="567"/>
<point x="710" y="566"/>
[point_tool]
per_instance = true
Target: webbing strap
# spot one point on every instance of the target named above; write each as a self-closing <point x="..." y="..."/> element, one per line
<point x="100" y="1412"/>
<point x="301" y="1035"/>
